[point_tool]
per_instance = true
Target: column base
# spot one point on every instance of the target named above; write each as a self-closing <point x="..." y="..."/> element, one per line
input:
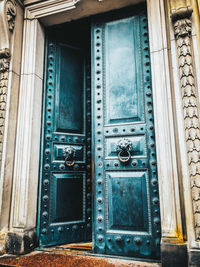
<point x="21" y="243"/>
<point x="3" y="236"/>
<point x="174" y="254"/>
<point x="194" y="258"/>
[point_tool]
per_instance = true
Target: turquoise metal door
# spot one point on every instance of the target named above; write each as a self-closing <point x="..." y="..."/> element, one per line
<point x="126" y="199"/>
<point x="65" y="176"/>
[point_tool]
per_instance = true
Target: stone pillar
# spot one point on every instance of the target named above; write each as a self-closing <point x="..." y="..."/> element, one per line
<point x="10" y="53"/>
<point x="22" y="231"/>
<point x="181" y="12"/>
<point x="173" y="245"/>
<point x="23" y="215"/>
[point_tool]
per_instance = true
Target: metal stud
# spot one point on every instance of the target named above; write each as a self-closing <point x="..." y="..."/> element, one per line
<point x="148" y="93"/>
<point x="99" y="181"/>
<point x="100" y="219"/>
<point x="100" y="238"/>
<point x="134" y="163"/>
<point x="47" y="151"/>
<point x="46" y="182"/>
<point x="44" y="231"/>
<point x="75" y="227"/>
<point x="118" y="239"/>
<point x="154" y="182"/>
<point x="138" y="241"/>
<point x="156" y="221"/>
<point x="60" y="229"/>
<point x="45" y="198"/>
<point x="61" y="166"/>
<point x="99" y="200"/>
<point x="45" y="214"/>
<point x="155" y="201"/>
<point x="46" y="166"/>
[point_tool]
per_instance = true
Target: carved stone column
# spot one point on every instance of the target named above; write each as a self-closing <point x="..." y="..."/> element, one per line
<point x="7" y="23"/>
<point x="181" y="12"/>
<point x="4" y="69"/>
<point x="182" y="30"/>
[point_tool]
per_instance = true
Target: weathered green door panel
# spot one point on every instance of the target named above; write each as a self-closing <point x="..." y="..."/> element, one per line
<point x="65" y="176"/>
<point x="123" y="73"/>
<point x="70" y="97"/>
<point x="126" y="199"/>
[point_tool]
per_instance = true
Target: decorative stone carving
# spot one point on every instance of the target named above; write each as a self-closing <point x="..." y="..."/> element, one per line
<point x="11" y="14"/>
<point x="4" y="68"/>
<point x="182" y="31"/>
<point x="7" y="23"/>
<point x="182" y="28"/>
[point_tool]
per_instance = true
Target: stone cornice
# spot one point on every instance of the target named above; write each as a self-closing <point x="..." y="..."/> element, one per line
<point x="182" y="12"/>
<point x="50" y="7"/>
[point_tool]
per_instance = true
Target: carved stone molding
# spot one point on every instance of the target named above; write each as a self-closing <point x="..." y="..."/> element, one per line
<point x="7" y="24"/>
<point x="4" y="71"/>
<point x="11" y="14"/>
<point x="50" y="7"/>
<point x="182" y="31"/>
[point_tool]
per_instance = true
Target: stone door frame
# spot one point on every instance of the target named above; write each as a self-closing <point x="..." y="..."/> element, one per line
<point x="27" y="150"/>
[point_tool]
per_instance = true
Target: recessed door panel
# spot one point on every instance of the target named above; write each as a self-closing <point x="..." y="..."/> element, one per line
<point x="68" y="198"/>
<point x="126" y="203"/>
<point x="125" y="192"/>
<point x="122" y="72"/>
<point x="70" y="98"/>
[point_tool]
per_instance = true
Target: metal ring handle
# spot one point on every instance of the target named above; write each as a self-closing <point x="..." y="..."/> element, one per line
<point x="124" y="159"/>
<point x="69" y="163"/>
<point x="69" y="155"/>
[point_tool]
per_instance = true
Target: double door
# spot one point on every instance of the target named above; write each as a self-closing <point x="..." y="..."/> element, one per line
<point x="98" y="173"/>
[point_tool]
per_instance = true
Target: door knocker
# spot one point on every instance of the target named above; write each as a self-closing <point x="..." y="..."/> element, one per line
<point x="69" y="155"/>
<point x="124" y="147"/>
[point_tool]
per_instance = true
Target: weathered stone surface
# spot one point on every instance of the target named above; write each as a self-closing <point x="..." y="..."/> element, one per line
<point x="194" y="258"/>
<point x="174" y="255"/>
<point x="20" y="243"/>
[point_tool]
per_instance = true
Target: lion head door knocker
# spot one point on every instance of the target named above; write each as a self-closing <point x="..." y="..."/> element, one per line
<point x="69" y="155"/>
<point x="124" y="146"/>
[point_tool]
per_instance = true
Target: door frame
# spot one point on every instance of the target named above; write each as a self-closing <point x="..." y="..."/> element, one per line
<point x="25" y="186"/>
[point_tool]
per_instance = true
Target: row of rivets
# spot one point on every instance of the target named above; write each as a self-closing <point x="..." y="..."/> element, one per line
<point x="98" y="132"/>
<point x="134" y="163"/>
<point x="149" y="112"/>
<point x="49" y="93"/>
<point x="137" y="240"/>
<point x="120" y="131"/>
<point x="61" y="229"/>
<point x="88" y="143"/>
